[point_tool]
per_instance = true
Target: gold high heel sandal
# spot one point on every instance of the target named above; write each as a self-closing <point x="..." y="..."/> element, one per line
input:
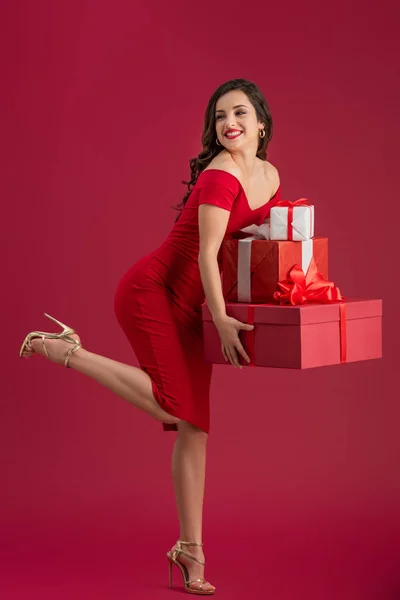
<point x="64" y="335"/>
<point x="172" y="559"/>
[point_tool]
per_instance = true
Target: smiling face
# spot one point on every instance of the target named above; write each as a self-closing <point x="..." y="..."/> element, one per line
<point x="235" y="112"/>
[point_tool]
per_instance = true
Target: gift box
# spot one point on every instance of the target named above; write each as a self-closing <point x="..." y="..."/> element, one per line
<point x="292" y="220"/>
<point x="302" y="336"/>
<point x="251" y="268"/>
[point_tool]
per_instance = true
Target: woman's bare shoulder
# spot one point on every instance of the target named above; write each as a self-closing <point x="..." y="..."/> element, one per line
<point x="271" y="172"/>
<point x="224" y="164"/>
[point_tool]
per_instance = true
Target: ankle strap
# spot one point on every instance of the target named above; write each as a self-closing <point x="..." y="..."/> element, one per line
<point x="71" y="351"/>
<point x="190" y="543"/>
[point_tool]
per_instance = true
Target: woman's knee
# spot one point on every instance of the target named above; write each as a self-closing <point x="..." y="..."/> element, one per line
<point x="188" y="429"/>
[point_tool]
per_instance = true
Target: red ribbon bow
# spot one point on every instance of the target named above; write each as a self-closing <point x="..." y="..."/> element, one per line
<point x="299" y="289"/>
<point x="299" y="202"/>
<point x="312" y="287"/>
<point x="291" y="205"/>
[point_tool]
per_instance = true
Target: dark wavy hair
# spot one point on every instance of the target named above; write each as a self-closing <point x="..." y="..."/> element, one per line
<point x="209" y="138"/>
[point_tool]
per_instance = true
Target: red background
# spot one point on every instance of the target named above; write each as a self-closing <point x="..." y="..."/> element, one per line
<point x="103" y="108"/>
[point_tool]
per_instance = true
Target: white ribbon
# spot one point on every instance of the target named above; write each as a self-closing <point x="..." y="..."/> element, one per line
<point x="259" y="232"/>
<point x="244" y="269"/>
<point x="306" y="254"/>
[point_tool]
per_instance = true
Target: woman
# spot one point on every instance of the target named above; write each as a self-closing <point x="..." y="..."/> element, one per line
<point x="158" y="303"/>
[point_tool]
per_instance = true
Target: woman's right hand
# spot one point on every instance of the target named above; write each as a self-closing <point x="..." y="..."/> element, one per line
<point x="228" y="329"/>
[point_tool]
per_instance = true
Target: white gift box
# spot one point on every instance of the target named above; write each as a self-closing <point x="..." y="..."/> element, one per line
<point x="292" y="222"/>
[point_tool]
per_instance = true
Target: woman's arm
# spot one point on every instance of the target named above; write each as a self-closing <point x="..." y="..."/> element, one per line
<point x="213" y="222"/>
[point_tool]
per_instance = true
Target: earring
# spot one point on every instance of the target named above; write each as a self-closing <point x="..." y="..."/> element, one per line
<point x="218" y="143"/>
<point x="262" y="131"/>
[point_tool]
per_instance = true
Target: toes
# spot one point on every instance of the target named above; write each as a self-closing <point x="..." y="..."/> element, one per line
<point x="27" y="351"/>
<point x="205" y="587"/>
<point x="36" y="344"/>
<point x="35" y="347"/>
<point x="202" y="586"/>
<point x="208" y="587"/>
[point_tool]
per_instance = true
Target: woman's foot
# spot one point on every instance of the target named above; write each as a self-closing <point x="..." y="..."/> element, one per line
<point x="56" y="349"/>
<point x="195" y="570"/>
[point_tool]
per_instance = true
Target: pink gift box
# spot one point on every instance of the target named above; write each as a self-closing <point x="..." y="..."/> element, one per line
<point x="302" y="336"/>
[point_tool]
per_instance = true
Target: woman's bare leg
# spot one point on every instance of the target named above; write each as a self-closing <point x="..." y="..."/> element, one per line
<point x="188" y="473"/>
<point x="128" y="382"/>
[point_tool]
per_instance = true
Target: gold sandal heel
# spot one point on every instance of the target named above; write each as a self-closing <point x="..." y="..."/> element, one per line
<point x="62" y="325"/>
<point x="64" y="335"/>
<point x="172" y="559"/>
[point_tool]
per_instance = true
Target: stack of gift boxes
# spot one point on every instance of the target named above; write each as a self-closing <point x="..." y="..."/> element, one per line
<point x="277" y="279"/>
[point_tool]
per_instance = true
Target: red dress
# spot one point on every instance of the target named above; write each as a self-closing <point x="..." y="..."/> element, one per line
<point x="158" y="301"/>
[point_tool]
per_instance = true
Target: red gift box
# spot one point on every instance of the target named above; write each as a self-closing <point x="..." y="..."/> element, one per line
<point x="302" y="336"/>
<point x="251" y="268"/>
